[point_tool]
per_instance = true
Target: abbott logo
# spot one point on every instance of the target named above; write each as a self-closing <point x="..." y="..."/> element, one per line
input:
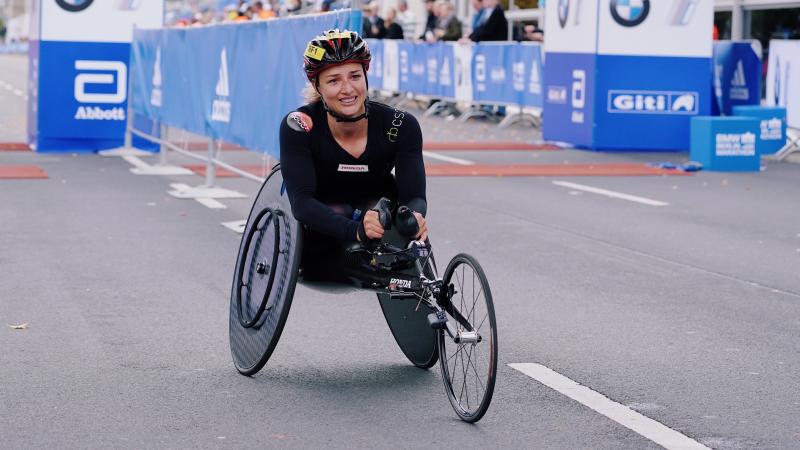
<point x="119" y="78"/>
<point x="653" y="102"/>
<point x="221" y="108"/>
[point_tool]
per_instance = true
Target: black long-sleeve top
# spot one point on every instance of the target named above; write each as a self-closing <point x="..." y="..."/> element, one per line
<point x="318" y="172"/>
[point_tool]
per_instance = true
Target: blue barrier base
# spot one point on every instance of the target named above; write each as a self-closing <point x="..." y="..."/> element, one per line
<point x="726" y="144"/>
<point x="772" y="120"/>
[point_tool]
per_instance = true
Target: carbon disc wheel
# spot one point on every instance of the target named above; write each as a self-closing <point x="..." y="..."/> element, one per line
<point x="468" y="364"/>
<point x="264" y="278"/>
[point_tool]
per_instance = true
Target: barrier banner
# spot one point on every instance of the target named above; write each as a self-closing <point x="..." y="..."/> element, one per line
<point x="391" y="66"/>
<point x="491" y="73"/>
<point x="446" y="77"/>
<point x="783" y="76"/>
<point x="737" y="75"/>
<point x="229" y="82"/>
<point x="462" y="59"/>
<point x="375" y="72"/>
<point x="527" y="74"/>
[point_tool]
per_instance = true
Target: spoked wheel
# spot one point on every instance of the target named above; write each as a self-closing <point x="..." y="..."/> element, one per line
<point x="469" y="362"/>
<point x="264" y="278"/>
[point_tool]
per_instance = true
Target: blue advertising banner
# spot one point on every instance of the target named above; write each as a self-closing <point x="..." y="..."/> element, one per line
<point x="491" y="70"/>
<point x="528" y="74"/>
<point x="240" y="84"/>
<point x="375" y="73"/>
<point x="646" y="103"/>
<point x="570" y="98"/>
<point x="447" y="74"/>
<point x="737" y="76"/>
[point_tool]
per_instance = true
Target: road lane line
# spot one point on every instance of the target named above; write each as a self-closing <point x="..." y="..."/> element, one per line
<point x="450" y="159"/>
<point x="613" y="194"/>
<point x="645" y="426"/>
<point x="136" y="162"/>
<point x="210" y="203"/>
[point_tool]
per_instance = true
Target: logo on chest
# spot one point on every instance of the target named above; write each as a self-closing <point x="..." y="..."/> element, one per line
<point x="353" y="168"/>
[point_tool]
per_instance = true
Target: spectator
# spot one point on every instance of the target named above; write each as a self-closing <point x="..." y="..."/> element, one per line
<point x="430" y="22"/>
<point x="373" y="25"/>
<point x="393" y="29"/>
<point x="478" y="7"/>
<point x="448" y="27"/>
<point x="263" y="12"/>
<point x="531" y="32"/>
<point x="406" y="19"/>
<point x="492" y="24"/>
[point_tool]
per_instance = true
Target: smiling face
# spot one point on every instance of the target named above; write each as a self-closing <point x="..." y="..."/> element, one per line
<point x="344" y="89"/>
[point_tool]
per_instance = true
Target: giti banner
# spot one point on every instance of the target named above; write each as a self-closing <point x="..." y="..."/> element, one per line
<point x="783" y="78"/>
<point x="636" y="73"/>
<point x="79" y="71"/>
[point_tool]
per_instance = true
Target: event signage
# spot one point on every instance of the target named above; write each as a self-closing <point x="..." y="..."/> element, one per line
<point x="78" y="71"/>
<point x="783" y="78"/>
<point x="621" y="72"/>
<point x="737" y="75"/>
<point x="230" y="93"/>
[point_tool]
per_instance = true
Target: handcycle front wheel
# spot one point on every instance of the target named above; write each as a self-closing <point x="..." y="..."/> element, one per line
<point x="265" y="277"/>
<point x="469" y="360"/>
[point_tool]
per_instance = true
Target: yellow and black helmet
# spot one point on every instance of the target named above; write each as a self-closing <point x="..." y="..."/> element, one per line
<point x="334" y="48"/>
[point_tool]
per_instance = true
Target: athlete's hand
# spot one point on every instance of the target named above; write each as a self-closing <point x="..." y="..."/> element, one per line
<point x="372" y="225"/>
<point x="423" y="228"/>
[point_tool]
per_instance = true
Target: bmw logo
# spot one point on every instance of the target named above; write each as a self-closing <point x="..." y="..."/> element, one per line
<point x="563" y="12"/>
<point x="74" y="5"/>
<point x="630" y="13"/>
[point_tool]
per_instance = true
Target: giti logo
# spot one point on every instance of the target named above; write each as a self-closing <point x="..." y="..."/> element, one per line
<point x="113" y="73"/>
<point x="653" y="102"/>
<point x="221" y="108"/>
<point x="739" y="89"/>
<point x="155" y="95"/>
<point x="630" y="13"/>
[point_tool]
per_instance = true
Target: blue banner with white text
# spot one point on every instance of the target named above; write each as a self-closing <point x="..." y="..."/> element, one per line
<point x="228" y="82"/>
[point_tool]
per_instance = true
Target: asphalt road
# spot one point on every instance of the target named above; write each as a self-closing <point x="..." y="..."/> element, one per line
<point x="688" y="313"/>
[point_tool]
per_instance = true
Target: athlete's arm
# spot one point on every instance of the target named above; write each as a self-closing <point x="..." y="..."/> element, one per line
<point x="409" y="166"/>
<point x="297" y="167"/>
<point x="410" y="170"/>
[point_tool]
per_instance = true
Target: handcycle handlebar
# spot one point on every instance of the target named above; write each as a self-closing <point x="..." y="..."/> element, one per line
<point x="404" y="219"/>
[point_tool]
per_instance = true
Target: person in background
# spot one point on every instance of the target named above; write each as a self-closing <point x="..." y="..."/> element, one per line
<point x="448" y="27"/>
<point x="406" y="19"/>
<point x="263" y="12"/>
<point x="374" y="26"/>
<point x="393" y="29"/>
<point x="492" y="24"/>
<point x="430" y="21"/>
<point x="532" y="33"/>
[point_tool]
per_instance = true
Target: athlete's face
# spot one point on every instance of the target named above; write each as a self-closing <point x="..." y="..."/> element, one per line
<point x="344" y="89"/>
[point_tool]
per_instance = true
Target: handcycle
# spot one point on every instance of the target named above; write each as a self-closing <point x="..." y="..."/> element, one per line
<point x="449" y="319"/>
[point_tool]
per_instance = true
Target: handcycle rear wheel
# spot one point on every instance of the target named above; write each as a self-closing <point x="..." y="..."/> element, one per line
<point x="468" y="367"/>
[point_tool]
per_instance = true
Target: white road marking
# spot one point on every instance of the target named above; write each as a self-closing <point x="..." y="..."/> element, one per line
<point x="210" y="203"/>
<point x="645" y="426"/>
<point x="237" y="226"/>
<point x="18" y="92"/>
<point x="9" y="87"/>
<point x="613" y="194"/>
<point x="460" y="161"/>
<point x="136" y="162"/>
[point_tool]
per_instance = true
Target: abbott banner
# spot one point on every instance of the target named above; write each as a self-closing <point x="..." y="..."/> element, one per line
<point x="78" y="71"/>
<point x="783" y="78"/>
<point x="627" y="74"/>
